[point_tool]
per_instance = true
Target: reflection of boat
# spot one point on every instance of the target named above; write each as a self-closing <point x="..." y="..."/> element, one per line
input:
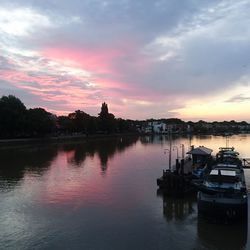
<point x="177" y="208"/>
<point x="221" y="236"/>
<point x="175" y="184"/>
<point x="223" y="192"/>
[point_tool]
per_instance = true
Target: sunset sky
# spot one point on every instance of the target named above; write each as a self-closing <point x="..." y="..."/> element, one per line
<point x="175" y="58"/>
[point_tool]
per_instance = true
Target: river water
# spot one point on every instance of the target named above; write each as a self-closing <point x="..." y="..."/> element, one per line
<point x="102" y="194"/>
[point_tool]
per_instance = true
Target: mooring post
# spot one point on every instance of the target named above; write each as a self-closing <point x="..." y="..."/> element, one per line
<point x="182" y="151"/>
<point x="177" y="164"/>
<point x="182" y="166"/>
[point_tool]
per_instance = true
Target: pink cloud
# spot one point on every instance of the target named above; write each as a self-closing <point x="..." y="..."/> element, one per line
<point x="99" y="61"/>
<point x="49" y="88"/>
<point x="108" y="66"/>
<point x="62" y="97"/>
<point x="57" y="77"/>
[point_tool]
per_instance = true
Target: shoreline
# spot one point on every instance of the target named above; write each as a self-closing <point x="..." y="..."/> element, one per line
<point x="60" y="139"/>
<point x="84" y="137"/>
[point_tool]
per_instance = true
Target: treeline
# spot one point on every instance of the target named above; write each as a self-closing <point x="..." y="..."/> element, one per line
<point x="16" y="121"/>
<point x="215" y="127"/>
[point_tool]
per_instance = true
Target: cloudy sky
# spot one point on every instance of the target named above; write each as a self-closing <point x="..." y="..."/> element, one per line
<point x="175" y="58"/>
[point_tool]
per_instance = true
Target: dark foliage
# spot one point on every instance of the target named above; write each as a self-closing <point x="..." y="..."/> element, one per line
<point x="40" y="122"/>
<point x="107" y="122"/>
<point x="12" y="117"/>
<point x="16" y="122"/>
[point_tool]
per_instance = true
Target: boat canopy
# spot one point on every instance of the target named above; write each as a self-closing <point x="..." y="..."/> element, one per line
<point x="226" y="148"/>
<point x="201" y="150"/>
<point x="223" y="176"/>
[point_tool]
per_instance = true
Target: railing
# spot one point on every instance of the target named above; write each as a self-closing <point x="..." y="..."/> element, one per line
<point x="246" y="162"/>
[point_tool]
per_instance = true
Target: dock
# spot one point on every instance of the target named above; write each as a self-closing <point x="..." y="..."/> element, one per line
<point x="178" y="179"/>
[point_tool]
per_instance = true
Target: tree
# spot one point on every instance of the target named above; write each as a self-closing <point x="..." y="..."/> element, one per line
<point x="107" y="121"/>
<point x="40" y="122"/>
<point x="104" y="110"/>
<point x="12" y="117"/>
<point x="80" y="121"/>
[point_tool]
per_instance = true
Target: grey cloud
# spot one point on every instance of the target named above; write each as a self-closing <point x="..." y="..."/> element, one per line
<point x="114" y="20"/>
<point x="31" y="100"/>
<point x="6" y="88"/>
<point x="5" y="63"/>
<point x="209" y="59"/>
<point x="238" y="98"/>
<point x="213" y="39"/>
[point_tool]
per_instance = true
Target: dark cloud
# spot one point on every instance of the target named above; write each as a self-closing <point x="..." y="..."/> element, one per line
<point x="109" y="21"/>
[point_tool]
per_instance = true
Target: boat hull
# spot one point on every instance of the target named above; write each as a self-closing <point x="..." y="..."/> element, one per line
<point x="234" y="208"/>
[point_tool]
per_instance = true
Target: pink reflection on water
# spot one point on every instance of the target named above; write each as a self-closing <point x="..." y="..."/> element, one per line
<point x="66" y="183"/>
<point x="129" y="177"/>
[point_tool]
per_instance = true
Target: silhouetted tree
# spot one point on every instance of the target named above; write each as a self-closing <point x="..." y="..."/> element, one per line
<point x="12" y="117"/>
<point x="128" y="125"/>
<point x="80" y="121"/>
<point x="107" y="122"/>
<point x="16" y="121"/>
<point x="122" y="125"/>
<point x="104" y="110"/>
<point x="92" y="125"/>
<point x="65" y="124"/>
<point x="41" y="122"/>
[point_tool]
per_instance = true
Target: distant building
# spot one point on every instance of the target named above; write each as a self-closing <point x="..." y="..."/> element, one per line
<point x="158" y="127"/>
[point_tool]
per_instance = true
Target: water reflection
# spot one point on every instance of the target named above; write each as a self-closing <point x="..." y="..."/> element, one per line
<point x="36" y="159"/>
<point x="15" y="162"/>
<point x="163" y="139"/>
<point x="175" y="209"/>
<point x="105" y="150"/>
<point x="213" y="235"/>
<point x="61" y="201"/>
<point x="149" y="139"/>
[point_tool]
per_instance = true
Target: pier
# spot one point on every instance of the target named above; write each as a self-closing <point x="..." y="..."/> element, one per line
<point x="177" y="180"/>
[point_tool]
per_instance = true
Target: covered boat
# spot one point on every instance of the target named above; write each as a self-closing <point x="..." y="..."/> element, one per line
<point x="223" y="192"/>
<point x="178" y="179"/>
<point x="201" y="158"/>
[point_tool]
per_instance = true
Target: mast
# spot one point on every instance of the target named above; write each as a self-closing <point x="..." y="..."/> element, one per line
<point x="170" y="149"/>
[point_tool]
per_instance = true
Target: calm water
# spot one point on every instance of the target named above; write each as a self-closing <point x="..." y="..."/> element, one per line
<point x="103" y="195"/>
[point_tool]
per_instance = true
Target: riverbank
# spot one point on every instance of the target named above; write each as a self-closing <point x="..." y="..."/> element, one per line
<point x="59" y="139"/>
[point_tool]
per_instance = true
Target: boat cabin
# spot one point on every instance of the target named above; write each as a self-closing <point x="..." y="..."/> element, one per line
<point x="228" y="155"/>
<point x="223" y="176"/>
<point x="200" y="155"/>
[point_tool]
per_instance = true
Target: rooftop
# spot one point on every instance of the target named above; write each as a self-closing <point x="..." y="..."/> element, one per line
<point x="201" y="150"/>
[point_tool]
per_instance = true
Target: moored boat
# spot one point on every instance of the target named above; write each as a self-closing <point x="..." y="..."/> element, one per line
<point x="223" y="192"/>
<point x="178" y="179"/>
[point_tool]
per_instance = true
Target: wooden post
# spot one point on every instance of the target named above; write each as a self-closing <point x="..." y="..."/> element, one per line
<point x="177" y="164"/>
<point x="182" y="167"/>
